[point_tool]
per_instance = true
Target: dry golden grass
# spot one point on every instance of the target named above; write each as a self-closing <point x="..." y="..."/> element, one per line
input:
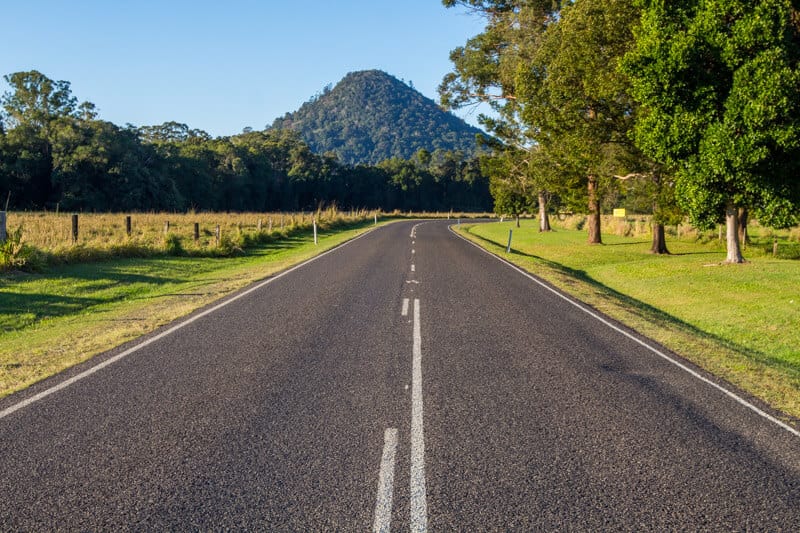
<point x="48" y="236"/>
<point x="51" y="231"/>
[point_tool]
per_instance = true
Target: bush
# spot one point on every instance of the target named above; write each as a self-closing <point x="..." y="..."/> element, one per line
<point x="15" y="254"/>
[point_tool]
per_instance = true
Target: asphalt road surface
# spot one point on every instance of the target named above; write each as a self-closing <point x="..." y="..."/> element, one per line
<point x="405" y="381"/>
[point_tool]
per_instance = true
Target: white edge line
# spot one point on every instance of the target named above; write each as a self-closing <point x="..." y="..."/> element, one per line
<point x="661" y="354"/>
<point x="383" y="503"/>
<point x="86" y="373"/>
<point x="419" y="505"/>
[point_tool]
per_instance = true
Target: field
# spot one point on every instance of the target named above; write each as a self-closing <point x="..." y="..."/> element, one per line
<point x="738" y="321"/>
<point x="47" y="238"/>
<point x="63" y="315"/>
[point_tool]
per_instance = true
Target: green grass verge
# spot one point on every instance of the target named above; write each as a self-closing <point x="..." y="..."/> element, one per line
<point x="740" y="322"/>
<point x="53" y="320"/>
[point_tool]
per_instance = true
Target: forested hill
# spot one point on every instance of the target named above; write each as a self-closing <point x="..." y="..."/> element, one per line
<point x="370" y="116"/>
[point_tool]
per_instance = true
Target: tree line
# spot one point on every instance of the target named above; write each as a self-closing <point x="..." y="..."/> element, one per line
<point x="56" y="154"/>
<point x="688" y="106"/>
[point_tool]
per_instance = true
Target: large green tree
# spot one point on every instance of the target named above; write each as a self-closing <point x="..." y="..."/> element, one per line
<point x="490" y="69"/>
<point x="720" y="84"/>
<point x="578" y="102"/>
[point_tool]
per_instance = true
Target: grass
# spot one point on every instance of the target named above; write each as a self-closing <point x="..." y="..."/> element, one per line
<point x="46" y="238"/>
<point x="52" y="320"/>
<point x="739" y="322"/>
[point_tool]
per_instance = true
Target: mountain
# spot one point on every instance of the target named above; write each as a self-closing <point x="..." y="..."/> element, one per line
<point x="370" y="116"/>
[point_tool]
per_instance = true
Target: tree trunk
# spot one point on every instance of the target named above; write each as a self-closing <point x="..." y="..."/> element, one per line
<point x="594" y="212"/>
<point x="659" y="240"/>
<point x="544" y="219"/>
<point x="517" y="220"/>
<point x="732" y="227"/>
<point x="743" y="215"/>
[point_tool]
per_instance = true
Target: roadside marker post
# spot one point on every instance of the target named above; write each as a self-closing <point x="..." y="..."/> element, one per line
<point x="315" y="230"/>
<point x="508" y="248"/>
<point x="74" y="228"/>
<point x="128" y="225"/>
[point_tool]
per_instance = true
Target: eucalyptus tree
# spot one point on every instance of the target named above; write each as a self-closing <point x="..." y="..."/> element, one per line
<point x="489" y="69"/>
<point x="32" y="107"/>
<point x="577" y="99"/>
<point x="36" y="100"/>
<point x="720" y="85"/>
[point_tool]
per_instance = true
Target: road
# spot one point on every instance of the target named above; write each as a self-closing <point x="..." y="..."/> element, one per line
<point x="405" y="381"/>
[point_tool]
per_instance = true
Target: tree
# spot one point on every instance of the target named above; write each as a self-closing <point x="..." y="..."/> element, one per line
<point x="578" y="102"/>
<point x="720" y="84"/>
<point x="36" y="100"/>
<point x="490" y="68"/>
<point x="35" y="110"/>
<point x="508" y="183"/>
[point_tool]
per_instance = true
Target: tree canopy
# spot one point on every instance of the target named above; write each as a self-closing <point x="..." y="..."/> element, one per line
<point x="56" y="154"/>
<point x="720" y="84"/>
<point x="697" y="98"/>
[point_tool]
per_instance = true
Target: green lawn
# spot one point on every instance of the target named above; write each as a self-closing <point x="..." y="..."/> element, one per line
<point x="741" y="322"/>
<point x="50" y="321"/>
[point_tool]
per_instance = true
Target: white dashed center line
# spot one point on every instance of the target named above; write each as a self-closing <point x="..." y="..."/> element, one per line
<point x="419" y="505"/>
<point x="383" y="505"/>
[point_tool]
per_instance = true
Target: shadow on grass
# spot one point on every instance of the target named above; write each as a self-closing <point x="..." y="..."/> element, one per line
<point x="36" y="307"/>
<point x="108" y="277"/>
<point x="649" y="313"/>
<point x="117" y="276"/>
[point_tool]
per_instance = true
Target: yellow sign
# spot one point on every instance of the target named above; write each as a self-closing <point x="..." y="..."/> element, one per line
<point x="619" y="213"/>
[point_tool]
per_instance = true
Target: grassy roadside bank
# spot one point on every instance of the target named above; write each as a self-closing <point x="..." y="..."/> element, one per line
<point x="738" y="322"/>
<point x="53" y="320"/>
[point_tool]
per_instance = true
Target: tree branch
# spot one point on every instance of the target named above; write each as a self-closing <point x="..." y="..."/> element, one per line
<point x="632" y="175"/>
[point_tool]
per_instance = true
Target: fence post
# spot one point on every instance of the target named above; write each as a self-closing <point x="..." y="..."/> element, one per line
<point x="128" y="225"/>
<point x="196" y="231"/>
<point x="217" y="234"/>
<point x="3" y="232"/>
<point x="259" y="224"/>
<point x="74" y="228"/>
<point x="269" y="225"/>
<point x="775" y="248"/>
<point x="508" y="248"/>
<point x="166" y="227"/>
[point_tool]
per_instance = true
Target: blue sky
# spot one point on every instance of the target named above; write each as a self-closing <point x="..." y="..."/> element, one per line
<point x="222" y="66"/>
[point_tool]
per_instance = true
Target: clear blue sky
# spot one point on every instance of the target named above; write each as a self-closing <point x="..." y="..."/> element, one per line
<point x="222" y="66"/>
